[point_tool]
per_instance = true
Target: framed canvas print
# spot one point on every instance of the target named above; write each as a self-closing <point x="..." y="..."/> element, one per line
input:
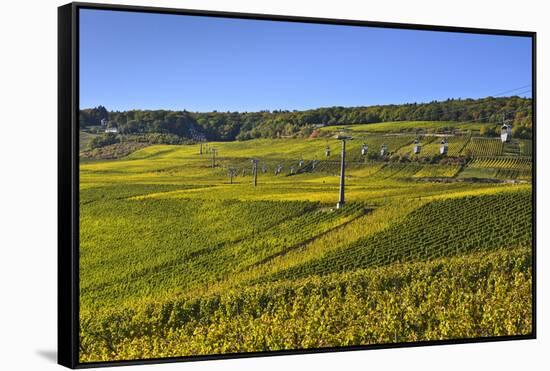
<point x="235" y="185"/>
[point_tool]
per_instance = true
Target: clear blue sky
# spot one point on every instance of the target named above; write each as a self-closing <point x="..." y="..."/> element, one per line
<point x="158" y="61"/>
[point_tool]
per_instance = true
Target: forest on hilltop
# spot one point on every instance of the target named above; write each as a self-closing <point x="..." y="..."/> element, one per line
<point x="227" y="126"/>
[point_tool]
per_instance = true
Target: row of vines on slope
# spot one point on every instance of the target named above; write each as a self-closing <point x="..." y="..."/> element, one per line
<point x="484" y="294"/>
<point x="440" y="228"/>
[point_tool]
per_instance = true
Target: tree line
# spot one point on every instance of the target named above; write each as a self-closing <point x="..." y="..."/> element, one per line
<point x="227" y="126"/>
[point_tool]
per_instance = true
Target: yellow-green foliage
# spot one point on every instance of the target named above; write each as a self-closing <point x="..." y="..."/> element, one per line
<point x="412" y="126"/>
<point x="513" y="163"/>
<point x="484" y="147"/>
<point x="499" y="168"/>
<point x="133" y="249"/>
<point x="478" y="295"/>
<point x="394" y="143"/>
<point x="437" y="171"/>
<point x="176" y="261"/>
<point x="85" y="139"/>
<point x="439" y="228"/>
<point x="455" y="145"/>
<point x="526" y="147"/>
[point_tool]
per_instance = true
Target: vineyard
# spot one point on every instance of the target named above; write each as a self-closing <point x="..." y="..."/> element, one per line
<point x="411" y="126"/>
<point x="180" y="254"/>
<point x="456" y="145"/>
<point x="515" y="163"/>
<point x="500" y="168"/>
<point x="200" y="248"/>
<point x="526" y="148"/>
<point x="393" y="142"/>
<point x="440" y="228"/>
<point x="398" y="303"/>
<point x="438" y="171"/>
<point x="484" y="147"/>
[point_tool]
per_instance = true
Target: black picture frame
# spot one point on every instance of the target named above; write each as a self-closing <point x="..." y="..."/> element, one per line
<point x="68" y="179"/>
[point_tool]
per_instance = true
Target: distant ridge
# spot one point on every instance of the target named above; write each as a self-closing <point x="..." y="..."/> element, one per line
<point x="226" y="126"/>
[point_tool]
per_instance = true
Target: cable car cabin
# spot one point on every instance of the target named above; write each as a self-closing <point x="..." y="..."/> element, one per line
<point x="444" y="147"/>
<point x="364" y="150"/>
<point x="383" y="150"/>
<point x="506" y="133"/>
<point x="327" y="151"/>
<point x="417" y="147"/>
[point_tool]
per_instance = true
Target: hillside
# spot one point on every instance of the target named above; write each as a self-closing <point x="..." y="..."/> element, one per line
<point x="413" y="127"/>
<point x="482" y="295"/>
<point x="178" y="257"/>
<point x="84" y="140"/>
<point x="228" y="126"/>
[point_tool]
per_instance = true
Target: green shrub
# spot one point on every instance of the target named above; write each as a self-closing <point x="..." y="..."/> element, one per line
<point x="104" y="140"/>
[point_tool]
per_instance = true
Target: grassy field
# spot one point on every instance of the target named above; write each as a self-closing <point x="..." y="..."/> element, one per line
<point x="411" y="126"/>
<point x="176" y="260"/>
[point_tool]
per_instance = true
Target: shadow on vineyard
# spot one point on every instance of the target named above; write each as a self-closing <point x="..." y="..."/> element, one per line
<point x="242" y="246"/>
<point x="440" y="228"/>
